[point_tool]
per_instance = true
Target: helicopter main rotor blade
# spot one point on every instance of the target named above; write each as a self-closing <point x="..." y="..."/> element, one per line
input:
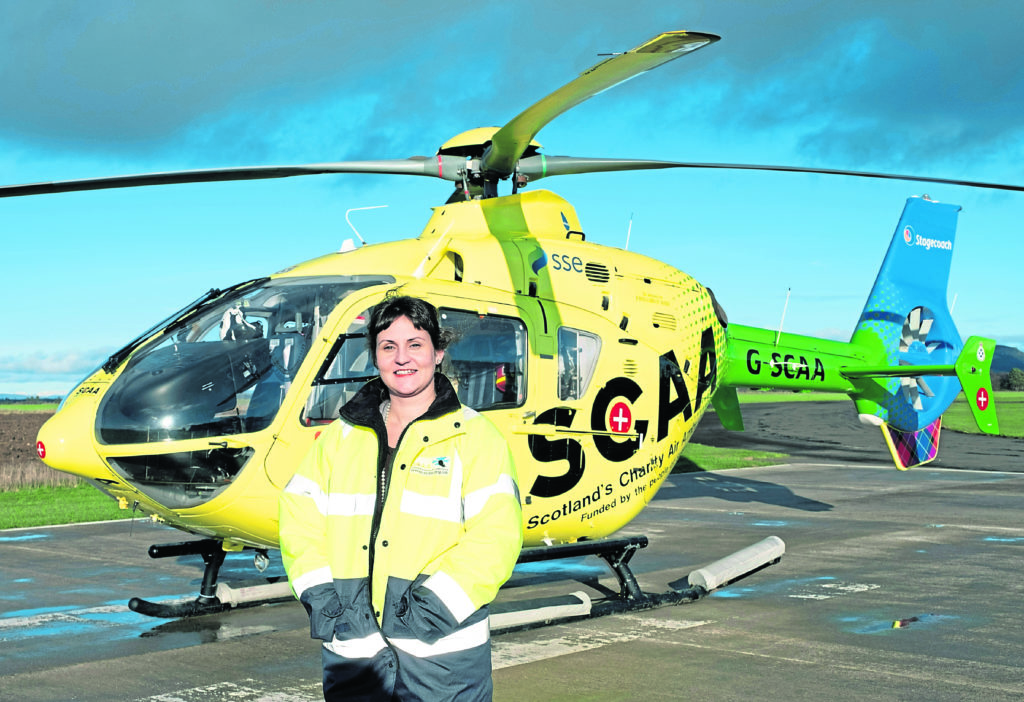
<point x="857" y="174"/>
<point x="446" y="167"/>
<point x="542" y="166"/>
<point x="537" y="167"/>
<point x="509" y="142"/>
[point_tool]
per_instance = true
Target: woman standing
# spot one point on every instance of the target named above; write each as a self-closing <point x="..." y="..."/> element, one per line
<point x="401" y="524"/>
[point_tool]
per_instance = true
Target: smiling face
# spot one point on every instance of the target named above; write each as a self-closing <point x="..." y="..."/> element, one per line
<point x="406" y="359"/>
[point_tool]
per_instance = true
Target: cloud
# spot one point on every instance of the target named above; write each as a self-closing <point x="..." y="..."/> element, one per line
<point x="833" y="333"/>
<point x="47" y="374"/>
<point x="910" y="87"/>
<point x="850" y="85"/>
<point x="40" y="363"/>
<point x="126" y="75"/>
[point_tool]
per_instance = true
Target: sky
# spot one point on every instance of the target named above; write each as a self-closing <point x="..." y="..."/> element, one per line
<point x="112" y="87"/>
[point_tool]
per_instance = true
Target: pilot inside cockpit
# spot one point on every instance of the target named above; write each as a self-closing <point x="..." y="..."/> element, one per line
<point x="235" y="327"/>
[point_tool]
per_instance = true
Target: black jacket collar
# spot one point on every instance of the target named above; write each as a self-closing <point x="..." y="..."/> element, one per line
<point x="364" y="408"/>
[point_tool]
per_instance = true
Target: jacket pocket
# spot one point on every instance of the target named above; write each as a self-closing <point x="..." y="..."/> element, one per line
<point x="325" y="610"/>
<point x="424" y="615"/>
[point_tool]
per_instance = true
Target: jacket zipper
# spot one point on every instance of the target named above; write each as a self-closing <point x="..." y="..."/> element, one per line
<point x="383" y="481"/>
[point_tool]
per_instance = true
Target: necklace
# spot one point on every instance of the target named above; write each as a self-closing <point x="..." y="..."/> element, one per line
<point x="382" y="488"/>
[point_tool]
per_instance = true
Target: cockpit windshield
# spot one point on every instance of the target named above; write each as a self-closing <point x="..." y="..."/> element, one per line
<point x="226" y="369"/>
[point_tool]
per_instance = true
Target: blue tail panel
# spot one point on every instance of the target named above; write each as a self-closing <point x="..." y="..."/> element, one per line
<point x="907" y="321"/>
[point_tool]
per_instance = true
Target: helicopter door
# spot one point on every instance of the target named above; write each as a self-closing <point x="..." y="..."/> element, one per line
<point x="343" y="370"/>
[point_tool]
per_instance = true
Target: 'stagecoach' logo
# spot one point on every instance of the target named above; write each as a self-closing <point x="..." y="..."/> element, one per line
<point x="929" y="244"/>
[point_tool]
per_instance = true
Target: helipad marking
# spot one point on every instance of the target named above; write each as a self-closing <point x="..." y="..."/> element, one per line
<point x="245" y="691"/>
<point x="830" y="590"/>
<point x="27" y="537"/>
<point x="505" y="654"/>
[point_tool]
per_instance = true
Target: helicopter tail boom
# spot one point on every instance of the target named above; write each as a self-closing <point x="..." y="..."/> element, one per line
<point x="904" y="364"/>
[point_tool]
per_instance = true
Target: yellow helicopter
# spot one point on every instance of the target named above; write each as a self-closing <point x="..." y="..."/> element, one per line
<point x="596" y="363"/>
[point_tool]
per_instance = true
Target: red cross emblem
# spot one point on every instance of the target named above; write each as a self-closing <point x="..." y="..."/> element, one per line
<point x="982" y="399"/>
<point x="621" y="418"/>
<point x="40" y="449"/>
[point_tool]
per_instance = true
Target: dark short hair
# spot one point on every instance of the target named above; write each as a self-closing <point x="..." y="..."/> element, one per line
<point x="421" y="313"/>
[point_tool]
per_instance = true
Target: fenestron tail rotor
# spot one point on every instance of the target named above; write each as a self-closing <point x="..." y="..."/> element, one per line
<point x="915" y="350"/>
<point x="477" y="160"/>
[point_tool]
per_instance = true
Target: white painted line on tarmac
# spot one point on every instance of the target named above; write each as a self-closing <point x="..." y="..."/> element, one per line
<point x="244" y="691"/>
<point x="509" y="654"/>
<point x="71" y="615"/>
<point x="505" y="654"/>
<point x="826" y="591"/>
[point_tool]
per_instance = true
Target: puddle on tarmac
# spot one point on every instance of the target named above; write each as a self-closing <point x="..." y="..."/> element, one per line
<point x="866" y="624"/>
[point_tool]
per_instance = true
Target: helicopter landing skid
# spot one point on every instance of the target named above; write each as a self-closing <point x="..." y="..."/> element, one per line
<point x="213" y="597"/>
<point x="519" y="616"/>
<point x="506" y="617"/>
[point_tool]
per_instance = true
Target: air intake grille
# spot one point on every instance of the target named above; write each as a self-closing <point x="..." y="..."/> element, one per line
<point x="597" y="273"/>
<point x="663" y="320"/>
<point x="629" y="368"/>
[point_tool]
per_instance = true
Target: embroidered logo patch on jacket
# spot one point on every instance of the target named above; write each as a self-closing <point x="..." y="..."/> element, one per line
<point x="441" y="465"/>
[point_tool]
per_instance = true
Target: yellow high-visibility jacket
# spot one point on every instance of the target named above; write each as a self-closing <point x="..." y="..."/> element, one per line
<point x="397" y="580"/>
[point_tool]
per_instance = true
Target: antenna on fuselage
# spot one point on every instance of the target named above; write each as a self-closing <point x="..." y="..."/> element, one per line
<point x="782" y="321"/>
<point x="347" y="244"/>
<point x="629" y="230"/>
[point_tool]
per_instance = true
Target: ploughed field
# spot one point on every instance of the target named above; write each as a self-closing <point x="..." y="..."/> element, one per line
<point x="19" y="465"/>
<point x="18" y="435"/>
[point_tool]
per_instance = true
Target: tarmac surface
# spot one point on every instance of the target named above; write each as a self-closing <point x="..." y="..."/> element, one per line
<point x="937" y="552"/>
<point x="829" y="432"/>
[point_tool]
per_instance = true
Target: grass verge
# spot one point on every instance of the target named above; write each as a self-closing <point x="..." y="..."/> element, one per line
<point x="1009" y="408"/>
<point x="25" y="407"/>
<point x="698" y="457"/>
<point x="759" y="396"/>
<point x="48" y="506"/>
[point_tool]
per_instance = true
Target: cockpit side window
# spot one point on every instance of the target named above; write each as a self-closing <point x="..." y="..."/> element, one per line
<point x="347" y="367"/>
<point x="486" y="360"/>
<point x="578" y="352"/>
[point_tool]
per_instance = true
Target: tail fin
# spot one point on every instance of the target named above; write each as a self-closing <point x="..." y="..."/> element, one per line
<point x="974" y="369"/>
<point x="906" y="321"/>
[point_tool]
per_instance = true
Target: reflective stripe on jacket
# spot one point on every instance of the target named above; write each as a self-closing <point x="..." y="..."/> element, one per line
<point x="406" y="609"/>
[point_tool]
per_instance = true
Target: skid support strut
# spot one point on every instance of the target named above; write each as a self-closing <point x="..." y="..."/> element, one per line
<point x="213" y="597"/>
<point x="207" y="603"/>
<point x="615" y="552"/>
<point x="517" y="616"/>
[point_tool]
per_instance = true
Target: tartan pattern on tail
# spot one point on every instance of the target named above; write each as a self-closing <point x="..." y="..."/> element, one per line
<point x="913" y="448"/>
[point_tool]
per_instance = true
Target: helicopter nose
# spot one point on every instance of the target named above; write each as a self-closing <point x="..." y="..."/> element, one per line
<point x="65" y="443"/>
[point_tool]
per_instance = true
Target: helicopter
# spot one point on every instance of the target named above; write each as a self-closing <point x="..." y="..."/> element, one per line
<point x="597" y="363"/>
